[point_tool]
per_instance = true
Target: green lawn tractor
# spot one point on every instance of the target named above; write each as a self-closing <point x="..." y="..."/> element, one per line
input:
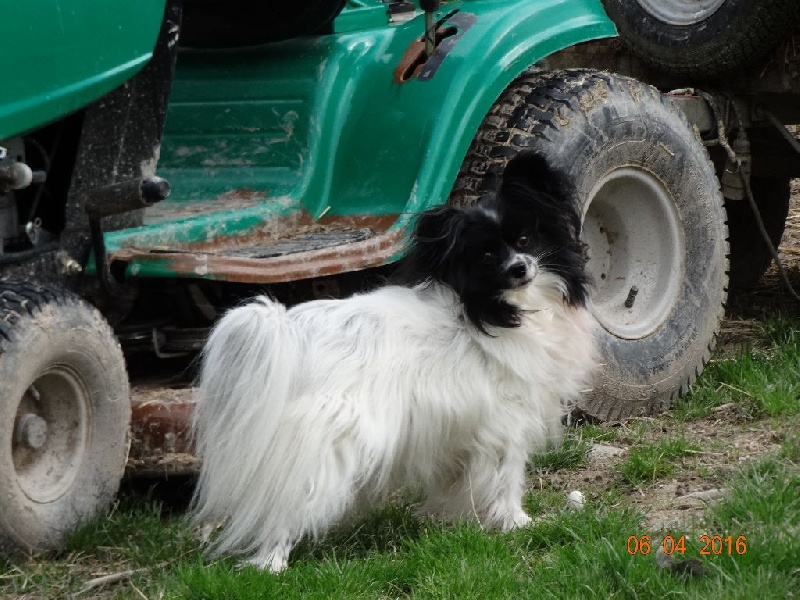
<point x="161" y="160"/>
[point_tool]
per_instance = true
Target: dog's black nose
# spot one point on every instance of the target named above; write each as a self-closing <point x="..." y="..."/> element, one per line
<point x="518" y="270"/>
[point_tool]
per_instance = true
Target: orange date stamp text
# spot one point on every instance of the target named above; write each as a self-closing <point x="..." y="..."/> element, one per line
<point x="711" y="545"/>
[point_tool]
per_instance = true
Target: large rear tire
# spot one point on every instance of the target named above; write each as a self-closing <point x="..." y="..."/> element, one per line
<point x="653" y="220"/>
<point x="64" y="416"/>
<point x="702" y="38"/>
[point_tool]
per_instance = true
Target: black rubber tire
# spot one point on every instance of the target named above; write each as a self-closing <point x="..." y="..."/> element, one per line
<point x="750" y="255"/>
<point x="592" y="127"/>
<point x="60" y="362"/>
<point x="736" y="35"/>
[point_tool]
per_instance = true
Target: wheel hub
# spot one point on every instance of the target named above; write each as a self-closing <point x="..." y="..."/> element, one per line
<point x="51" y="434"/>
<point x="636" y="247"/>
<point x="31" y="431"/>
<point x="681" y="12"/>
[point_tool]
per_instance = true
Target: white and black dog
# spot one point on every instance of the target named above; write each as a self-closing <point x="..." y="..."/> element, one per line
<point x="445" y="384"/>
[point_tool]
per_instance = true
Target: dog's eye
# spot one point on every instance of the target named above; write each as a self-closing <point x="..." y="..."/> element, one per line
<point x="523" y="241"/>
<point x="488" y="256"/>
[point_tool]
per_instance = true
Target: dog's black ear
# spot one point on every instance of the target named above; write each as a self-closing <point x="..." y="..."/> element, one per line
<point x="531" y="184"/>
<point x="534" y="170"/>
<point x="433" y="240"/>
<point x="437" y="223"/>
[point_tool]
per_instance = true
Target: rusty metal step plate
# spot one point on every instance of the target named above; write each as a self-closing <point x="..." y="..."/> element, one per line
<point x="304" y="242"/>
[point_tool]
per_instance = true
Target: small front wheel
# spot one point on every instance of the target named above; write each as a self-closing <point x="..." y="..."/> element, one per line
<point x="64" y="416"/>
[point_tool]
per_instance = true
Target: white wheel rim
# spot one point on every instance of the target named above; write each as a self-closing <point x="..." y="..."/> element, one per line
<point x="60" y="399"/>
<point x="681" y="12"/>
<point x="636" y="250"/>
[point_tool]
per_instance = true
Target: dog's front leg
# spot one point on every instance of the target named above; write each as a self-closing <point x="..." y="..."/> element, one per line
<point x="488" y="488"/>
<point x="501" y="485"/>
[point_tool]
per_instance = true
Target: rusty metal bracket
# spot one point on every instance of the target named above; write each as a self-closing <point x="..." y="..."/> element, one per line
<point x="416" y="63"/>
<point x="461" y="22"/>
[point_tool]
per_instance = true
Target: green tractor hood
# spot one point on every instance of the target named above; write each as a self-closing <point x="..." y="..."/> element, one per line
<point x="62" y="55"/>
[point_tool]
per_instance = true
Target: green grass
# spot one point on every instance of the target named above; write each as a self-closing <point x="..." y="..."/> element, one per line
<point x="571" y="453"/>
<point x="438" y="563"/>
<point x="765" y="507"/>
<point x="567" y="555"/>
<point x="136" y="536"/>
<point x="646" y="464"/>
<point x="790" y="449"/>
<point x="134" y="522"/>
<point x="600" y="434"/>
<point x="762" y="381"/>
<point x="395" y="554"/>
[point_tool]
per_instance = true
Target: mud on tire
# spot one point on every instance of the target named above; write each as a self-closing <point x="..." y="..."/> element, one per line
<point x="64" y="416"/>
<point x="653" y="220"/>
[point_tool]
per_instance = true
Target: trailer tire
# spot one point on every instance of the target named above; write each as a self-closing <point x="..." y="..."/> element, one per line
<point x="653" y="217"/>
<point x="702" y="39"/>
<point x="750" y="256"/>
<point x="64" y="416"/>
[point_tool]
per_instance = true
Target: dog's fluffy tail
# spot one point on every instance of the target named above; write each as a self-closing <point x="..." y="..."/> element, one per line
<point x="241" y="396"/>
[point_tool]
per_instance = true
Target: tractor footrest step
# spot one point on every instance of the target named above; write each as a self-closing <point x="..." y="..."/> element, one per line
<point x="305" y="242"/>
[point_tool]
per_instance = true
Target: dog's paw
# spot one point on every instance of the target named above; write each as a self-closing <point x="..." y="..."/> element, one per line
<point x="520" y="519"/>
<point x="510" y="521"/>
<point x="274" y="561"/>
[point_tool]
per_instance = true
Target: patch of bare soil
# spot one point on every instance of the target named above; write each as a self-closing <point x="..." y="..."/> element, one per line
<point x="726" y="439"/>
<point x="726" y="442"/>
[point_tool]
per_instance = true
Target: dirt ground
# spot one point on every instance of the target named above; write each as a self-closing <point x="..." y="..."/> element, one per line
<point x="727" y="440"/>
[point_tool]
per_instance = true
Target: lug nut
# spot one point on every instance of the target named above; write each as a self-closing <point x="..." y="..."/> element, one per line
<point x="72" y="267"/>
<point x="631" y="297"/>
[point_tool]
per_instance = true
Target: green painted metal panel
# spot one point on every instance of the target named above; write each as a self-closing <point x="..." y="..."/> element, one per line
<point x="238" y="111"/>
<point x="361" y="14"/>
<point x="320" y="123"/>
<point x="58" y="55"/>
<point x="507" y="38"/>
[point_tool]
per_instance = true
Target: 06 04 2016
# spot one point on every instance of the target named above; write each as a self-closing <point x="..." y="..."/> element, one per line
<point x="710" y="544"/>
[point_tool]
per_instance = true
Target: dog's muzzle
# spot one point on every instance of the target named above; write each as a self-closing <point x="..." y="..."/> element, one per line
<point x="520" y="270"/>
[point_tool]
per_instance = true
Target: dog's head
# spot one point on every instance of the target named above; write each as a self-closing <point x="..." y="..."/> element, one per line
<point x="525" y="234"/>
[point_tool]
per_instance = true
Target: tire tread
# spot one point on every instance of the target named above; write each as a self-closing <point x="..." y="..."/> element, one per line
<point x="19" y="298"/>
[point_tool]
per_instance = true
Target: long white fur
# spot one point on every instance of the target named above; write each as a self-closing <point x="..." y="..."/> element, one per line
<point x="310" y="414"/>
